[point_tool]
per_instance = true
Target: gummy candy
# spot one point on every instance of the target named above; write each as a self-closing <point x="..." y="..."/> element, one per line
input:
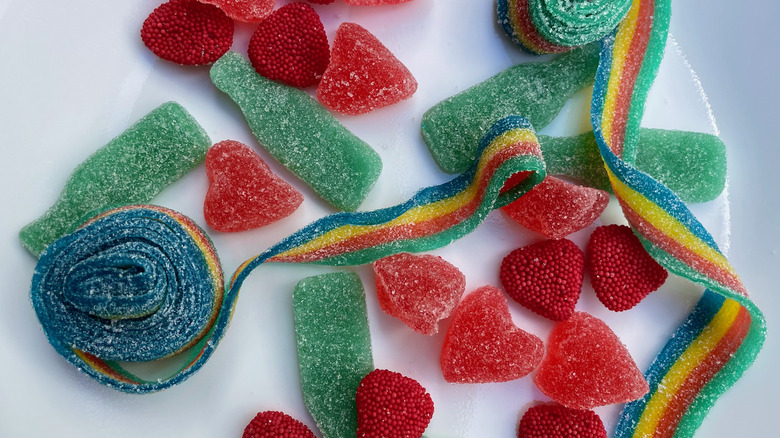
<point x="420" y="290"/>
<point x="483" y="344"/>
<point x="452" y="128"/>
<point x="188" y="32"/>
<point x="321" y="2"/>
<point x="374" y="2"/>
<point x="363" y="74"/>
<point x="290" y="46"/>
<point x="334" y="348"/>
<point x="243" y="192"/>
<point x="249" y="11"/>
<point x="301" y="134"/>
<point x="692" y="164"/>
<point x="132" y="168"/>
<point x="621" y="271"/>
<point x="587" y="366"/>
<point x="545" y="277"/>
<point x="275" y="424"/>
<point x="391" y="405"/>
<point x="556" y="421"/>
<point x="556" y="208"/>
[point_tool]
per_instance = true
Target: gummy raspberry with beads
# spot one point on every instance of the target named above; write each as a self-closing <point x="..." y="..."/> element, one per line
<point x="391" y="405"/>
<point x="556" y="421"/>
<point x="545" y="277"/>
<point x="188" y="32"/>
<point x="290" y="46"/>
<point x="275" y="424"/>
<point x="621" y="271"/>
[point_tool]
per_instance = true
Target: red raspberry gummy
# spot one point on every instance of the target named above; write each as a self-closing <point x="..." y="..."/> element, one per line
<point x="545" y="277"/>
<point x="621" y="271"/>
<point x="188" y="32"/>
<point x="587" y="366"/>
<point x="483" y="344"/>
<point x="290" y="46"/>
<point x="249" y="11"/>
<point x="556" y="421"/>
<point x="420" y="290"/>
<point x="363" y="74"/>
<point x="556" y="208"/>
<point x="391" y="405"/>
<point x="274" y="424"/>
<point x="243" y="193"/>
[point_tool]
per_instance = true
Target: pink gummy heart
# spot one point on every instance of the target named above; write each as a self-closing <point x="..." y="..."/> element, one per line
<point x="363" y="74"/>
<point x="483" y="344"/>
<point x="587" y="366"/>
<point x="420" y="290"/>
<point x="556" y="208"/>
<point x="243" y="192"/>
<point x="250" y="11"/>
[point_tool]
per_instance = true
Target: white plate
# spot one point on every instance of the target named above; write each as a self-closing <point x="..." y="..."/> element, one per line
<point x="75" y="75"/>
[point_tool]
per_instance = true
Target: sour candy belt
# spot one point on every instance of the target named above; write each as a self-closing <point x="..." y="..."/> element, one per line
<point x="164" y="273"/>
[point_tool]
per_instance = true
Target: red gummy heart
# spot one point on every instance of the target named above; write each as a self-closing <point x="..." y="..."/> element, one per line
<point x="621" y="271"/>
<point x="545" y="277"/>
<point x="249" y="11"/>
<point x="244" y="193"/>
<point x="556" y="208"/>
<point x="391" y="405"/>
<point x="188" y="32"/>
<point x="418" y="290"/>
<point x="274" y="424"/>
<point x="587" y="366"/>
<point x="363" y="74"/>
<point x="290" y="46"/>
<point x="556" y="421"/>
<point x="483" y="344"/>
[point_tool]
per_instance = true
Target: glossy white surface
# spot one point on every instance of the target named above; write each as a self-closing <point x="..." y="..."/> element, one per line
<point x="75" y="74"/>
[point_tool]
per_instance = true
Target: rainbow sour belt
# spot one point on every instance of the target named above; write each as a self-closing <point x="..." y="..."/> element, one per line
<point x="168" y="282"/>
<point x="724" y="333"/>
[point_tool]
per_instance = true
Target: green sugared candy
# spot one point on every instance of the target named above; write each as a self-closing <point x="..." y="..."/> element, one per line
<point x="334" y="348"/>
<point x="301" y="134"/>
<point x="692" y="164"/>
<point x="131" y="169"/>
<point x="453" y="128"/>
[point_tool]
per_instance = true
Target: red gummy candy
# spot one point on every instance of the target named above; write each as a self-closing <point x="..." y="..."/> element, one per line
<point x="290" y="46"/>
<point x="321" y="2"/>
<point x="363" y="75"/>
<point x="274" y="424"/>
<point x="420" y="290"/>
<point x="556" y="421"/>
<point x="244" y="193"/>
<point x="587" y="366"/>
<point x="391" y="405"/>
<point x="545" y="277"/>
<point x="621" y="271"/>
<point x="249" y="11"/>
<point x="556" y="208"/>
<point x="373" y="2"/>
<point x="483" y="344"/>
<point x="188" y="32"/>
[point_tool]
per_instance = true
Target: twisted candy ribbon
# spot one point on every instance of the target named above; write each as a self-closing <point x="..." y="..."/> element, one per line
<point x="724" y="333"/>
<point x="126" y="250"/>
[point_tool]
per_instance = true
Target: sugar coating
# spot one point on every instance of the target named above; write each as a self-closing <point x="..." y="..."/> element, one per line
<point x="452" y="128"/>
<point x="483" y="344"/>
<point x="556" y="421"/>
<point x="556" y="208"/>
<point x="587" y="366"/>
<point x="301" y="134"/>
<point x="131" y="169"/>
<point x="420" y="290"/>
<point x="363" y="74"/>
<point x="334" y="348"/>
<point x="692" y="164"/>
<point x="250" y="11"/>
<point x="243" y="192"/>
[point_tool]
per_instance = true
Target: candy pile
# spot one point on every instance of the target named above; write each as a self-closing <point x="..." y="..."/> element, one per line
<point x="141" y="283"/>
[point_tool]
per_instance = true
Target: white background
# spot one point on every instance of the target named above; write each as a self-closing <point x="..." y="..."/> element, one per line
<point x="74" y="74"/>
